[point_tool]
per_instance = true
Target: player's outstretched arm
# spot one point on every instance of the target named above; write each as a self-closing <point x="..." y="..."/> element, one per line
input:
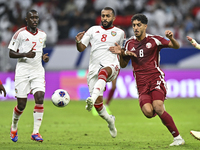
<point x="2" y="89"/>
<point x="13" y="54"/>
<point x="80" y="47"/>
<point x="124" y="55"/>
<point x="173" y="42"/>
<point x="194" y="43"/>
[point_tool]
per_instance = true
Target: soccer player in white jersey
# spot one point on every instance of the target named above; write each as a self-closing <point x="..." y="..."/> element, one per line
<point x="196" y="134"/>
<point x="27" y="45"/>
<point x="103" y="65"/>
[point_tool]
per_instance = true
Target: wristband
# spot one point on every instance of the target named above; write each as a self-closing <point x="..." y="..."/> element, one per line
<point x="78" y="41"/>
<point x="0" y="82"/>
<point x="125" y="53"/>
<point x="197" y="45"/>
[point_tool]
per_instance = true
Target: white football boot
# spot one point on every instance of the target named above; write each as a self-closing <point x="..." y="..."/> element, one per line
<point x="178" y="141"/>
<point x="90" y="104"/>
<point x="196" y="134"/>
<point x="111" y="126"/>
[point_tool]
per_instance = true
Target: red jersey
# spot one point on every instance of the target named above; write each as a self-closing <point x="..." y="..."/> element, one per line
<point x="147" y="61"/>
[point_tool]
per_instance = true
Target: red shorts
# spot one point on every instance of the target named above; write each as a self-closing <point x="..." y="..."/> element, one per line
<point x="154" y="89"/>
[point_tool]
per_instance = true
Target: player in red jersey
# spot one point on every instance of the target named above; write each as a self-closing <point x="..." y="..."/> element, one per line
<point x="27" y="46"/>
<point x="149" y="77"/>
<point x="2" y="89"/>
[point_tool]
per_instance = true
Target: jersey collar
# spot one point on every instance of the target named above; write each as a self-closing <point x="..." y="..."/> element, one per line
<point x="31" y="32"/>
<point x="107" y="28"/>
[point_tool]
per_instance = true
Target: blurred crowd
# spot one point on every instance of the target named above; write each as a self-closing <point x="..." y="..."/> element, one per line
<point x="63" y="19"/>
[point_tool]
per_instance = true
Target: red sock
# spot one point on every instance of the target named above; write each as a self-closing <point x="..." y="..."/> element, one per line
<point x="39" y="108"/>
<point x="17" y="111"/>
<point x="110" y="95"/>
<point x="98" y="107"/>
<point x="169" y="123"/>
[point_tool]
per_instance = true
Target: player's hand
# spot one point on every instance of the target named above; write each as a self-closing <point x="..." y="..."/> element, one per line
<point x="30" y="54"/>
<point x="45" y="57"/>
<point x="190" y="39"/>
<point x="169" y="34"/>
<point x="129" y="53"/>
<point x="79" y="36"/>
<point x="2" y="89"/>
<point x="115" y="49"/>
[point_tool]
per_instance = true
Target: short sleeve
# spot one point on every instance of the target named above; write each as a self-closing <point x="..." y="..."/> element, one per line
<point x="15" y="41"/>
<point x="86" y="38"/>
<point x="122" y="39"/>
<point x="44" y="44"/>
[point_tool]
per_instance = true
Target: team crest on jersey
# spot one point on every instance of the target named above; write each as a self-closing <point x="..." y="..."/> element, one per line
<point x="113" y="33"/>
<point x="148" y="45"/>
<point x="41" y="40"/>
<point x="16" y="91"/>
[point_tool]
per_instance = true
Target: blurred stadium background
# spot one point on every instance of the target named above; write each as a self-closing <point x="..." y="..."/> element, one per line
<point x="67" y="68"/>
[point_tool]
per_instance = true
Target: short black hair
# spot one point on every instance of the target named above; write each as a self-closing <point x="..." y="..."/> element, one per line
<point x="109" y="8"/>
<point x="32" y="11"/>
<point x="140" y="17"/>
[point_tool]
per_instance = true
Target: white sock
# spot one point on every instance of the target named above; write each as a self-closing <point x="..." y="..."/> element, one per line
<point x="98" y="87"/>
<point x="15" y="118"/>
<point x="178" y="137"/>
<point x="37" y="121"/>
<point x="104" y="114"/>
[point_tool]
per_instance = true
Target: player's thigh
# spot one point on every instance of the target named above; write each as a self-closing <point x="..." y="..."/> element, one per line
<point x="38" y="84"/>
<point x="22" y="87"/>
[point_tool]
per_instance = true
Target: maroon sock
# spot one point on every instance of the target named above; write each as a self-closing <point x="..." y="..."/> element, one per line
<point x="169" y="123"/>
<point x="110" y="95"/>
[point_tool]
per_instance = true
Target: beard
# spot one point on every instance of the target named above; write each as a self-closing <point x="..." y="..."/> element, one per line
<point x="109" y="24"/>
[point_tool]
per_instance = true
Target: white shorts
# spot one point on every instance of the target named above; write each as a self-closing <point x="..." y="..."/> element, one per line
<point x="26" y="85"/>
<point x="93" y="77"/>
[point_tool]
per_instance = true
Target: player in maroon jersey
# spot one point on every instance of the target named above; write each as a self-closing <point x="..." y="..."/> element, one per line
<point x="2" y="89"/>
<point x="149" y="77"/>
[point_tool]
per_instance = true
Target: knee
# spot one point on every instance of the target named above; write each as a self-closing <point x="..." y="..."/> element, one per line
<point x="21" y="106"/>
<point x="39" y="100"/>
<point x="148" y="114"/>
<point x="159" y="110"/>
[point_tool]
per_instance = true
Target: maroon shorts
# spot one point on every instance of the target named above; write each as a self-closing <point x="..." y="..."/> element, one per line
<point x="154" y="89"/>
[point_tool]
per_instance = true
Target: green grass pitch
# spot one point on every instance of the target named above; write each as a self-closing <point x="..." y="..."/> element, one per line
<point x="73" y="128"/>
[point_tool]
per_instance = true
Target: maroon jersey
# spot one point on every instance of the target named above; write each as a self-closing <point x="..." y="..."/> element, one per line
<point x="148" y="59"/>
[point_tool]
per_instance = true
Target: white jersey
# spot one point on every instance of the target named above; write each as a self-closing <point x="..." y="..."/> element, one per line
<point x="101" y="40"/>
<point x="23" y="41"/>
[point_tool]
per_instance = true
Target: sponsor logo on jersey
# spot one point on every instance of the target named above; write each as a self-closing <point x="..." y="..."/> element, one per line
<point x="113" y="33"/>
<point x="27" y="39"/>
<point x="148" y="45"/>
<point x="133" y="49"/>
